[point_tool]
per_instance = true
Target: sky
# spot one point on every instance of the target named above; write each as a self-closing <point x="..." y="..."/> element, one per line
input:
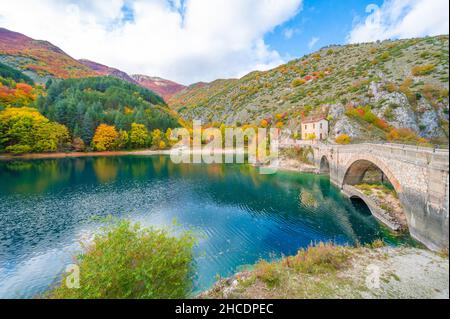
<point x="201" y="40"/>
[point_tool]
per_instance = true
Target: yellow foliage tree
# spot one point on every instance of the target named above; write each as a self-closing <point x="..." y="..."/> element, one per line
<point x="343" y="139"/>
<point x="24" y="130"/>
<point x="138" y="135"/>
<point x="156" y="138"/>
<point x="279" y="125"/>
<point x="105" y="138"/>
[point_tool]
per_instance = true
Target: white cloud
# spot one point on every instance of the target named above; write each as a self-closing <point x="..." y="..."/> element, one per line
<point x="402" y="19"/>
<point x="187" y="41"/>
<point x="313" y="42"/>
<point x="288" y="33"/>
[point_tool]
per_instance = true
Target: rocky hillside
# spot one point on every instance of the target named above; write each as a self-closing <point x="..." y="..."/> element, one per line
<point x="164" y="88"/>
<point x="38" y="59"/>
<point x="107" y="71"/>
<point x="368" y="91"/>
<point x="41" y="61"/>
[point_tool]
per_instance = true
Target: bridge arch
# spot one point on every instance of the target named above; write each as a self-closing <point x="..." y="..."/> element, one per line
<point x="395" y="218"/>
<point x="358" y="165"/>
<point x="324" y="166"/>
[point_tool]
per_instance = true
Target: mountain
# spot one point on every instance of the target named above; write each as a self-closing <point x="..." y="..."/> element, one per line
<point x="368" y="91"/>
<point x="106" y="70"/>
<point x="38" y="59"/>
<point x="41" y="60"/>
<point x="164" y="88"/>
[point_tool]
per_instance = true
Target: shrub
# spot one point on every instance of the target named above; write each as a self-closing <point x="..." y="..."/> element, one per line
<point x="378" y="243"/>
<point x="391" y="87"/>
<point x="302" y="154"/>
<point x="311" y="136"/>
<point x="78" y="144"/>
<point x="343" y="139"/>
<point x="384" y="56"/>
<point x="269" y="273"/>
<point x="298" y="82"/>
<point x="423" y="69"/>
<point x="405" y="89"/>
<point x="318" y="259"/>
<point x="264" y="123"/>
<point x="18" y="149"/>
<point x="405" y="135"/>
<point x="389" y="114"/>
<point x="127" y="261"/>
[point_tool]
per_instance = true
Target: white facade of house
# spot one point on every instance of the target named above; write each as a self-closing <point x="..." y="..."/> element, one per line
<point x="317" y="127"/>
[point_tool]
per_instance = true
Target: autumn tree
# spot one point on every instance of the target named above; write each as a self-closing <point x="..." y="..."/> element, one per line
<point x="156" y="138"/>
<point x="78" y="144"/>
<point x="123" y="140"/>
<point x="24" y="130"/>
<point x="139" y="136"/>
<point x="343" y="139"/>
<point x="168" y="136"/>
<point x="105" y="138"/>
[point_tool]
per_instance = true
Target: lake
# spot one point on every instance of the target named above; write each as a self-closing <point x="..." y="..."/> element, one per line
<point x="47" y="207"/>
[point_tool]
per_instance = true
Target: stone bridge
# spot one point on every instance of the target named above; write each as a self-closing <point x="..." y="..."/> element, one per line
<point x="419" y="175"/>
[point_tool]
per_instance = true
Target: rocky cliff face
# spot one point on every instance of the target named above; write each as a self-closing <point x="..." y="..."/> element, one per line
<point x="164" y="88"/>
<point x="403" y="83"/>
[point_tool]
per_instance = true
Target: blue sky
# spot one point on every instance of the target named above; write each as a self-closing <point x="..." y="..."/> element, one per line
<point x="329" y="22"/>
<point x="202" y="40"/>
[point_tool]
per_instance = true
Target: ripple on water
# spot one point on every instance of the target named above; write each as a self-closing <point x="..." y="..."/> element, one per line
<point x="238" y="215"/>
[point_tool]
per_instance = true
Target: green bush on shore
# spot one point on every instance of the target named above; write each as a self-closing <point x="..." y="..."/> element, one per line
<point x="128" y="261"/>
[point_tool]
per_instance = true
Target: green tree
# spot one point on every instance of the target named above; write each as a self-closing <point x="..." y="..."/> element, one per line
<point x="138" y="135"/>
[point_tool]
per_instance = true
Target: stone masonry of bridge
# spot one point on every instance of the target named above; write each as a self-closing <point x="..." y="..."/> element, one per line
<point x="419" y="175"/>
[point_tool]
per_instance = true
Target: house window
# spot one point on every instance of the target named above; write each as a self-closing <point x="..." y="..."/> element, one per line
<point x="314" y="126"/>
<point x="320" y="125"/>
<point x="320" y="135"/>
<point x="306" y="127"/>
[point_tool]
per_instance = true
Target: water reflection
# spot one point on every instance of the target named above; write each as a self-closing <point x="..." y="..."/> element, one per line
<point x="47" y="206"/>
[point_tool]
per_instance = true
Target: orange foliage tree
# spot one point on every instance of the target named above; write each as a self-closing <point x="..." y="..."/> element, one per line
<point x="343" y="139"/>
<point x="105" y="138"/>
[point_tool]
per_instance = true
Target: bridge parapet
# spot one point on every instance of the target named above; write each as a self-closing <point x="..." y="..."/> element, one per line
<point x="420" y="176"/>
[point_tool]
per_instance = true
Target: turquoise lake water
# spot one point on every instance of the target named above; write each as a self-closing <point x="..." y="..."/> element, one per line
<point x="47" y="207"/>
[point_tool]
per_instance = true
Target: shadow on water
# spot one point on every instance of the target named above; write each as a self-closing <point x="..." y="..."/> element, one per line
<point x="240" y="216"/>
<point x="360" y="206"/>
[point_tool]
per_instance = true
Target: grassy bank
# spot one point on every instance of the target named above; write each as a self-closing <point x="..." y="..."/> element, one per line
<point x="328" y="271"/>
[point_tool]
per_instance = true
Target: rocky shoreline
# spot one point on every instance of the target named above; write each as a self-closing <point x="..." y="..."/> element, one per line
<point x="371" y="273"/>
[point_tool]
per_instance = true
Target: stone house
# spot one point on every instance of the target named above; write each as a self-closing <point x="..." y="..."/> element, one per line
<point x="317" y="125"/>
